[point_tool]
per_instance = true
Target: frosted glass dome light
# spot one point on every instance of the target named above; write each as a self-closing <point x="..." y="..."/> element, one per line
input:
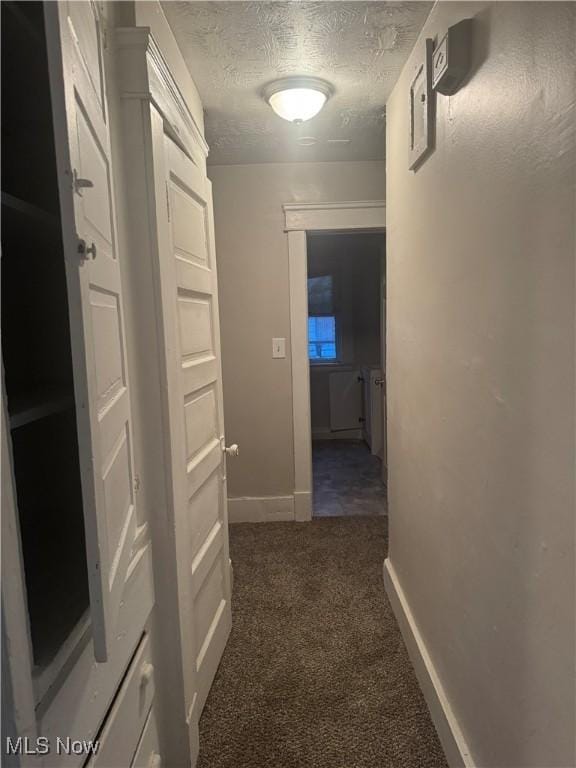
<point x="297" y="99"/>
<point x="297" y="104"/>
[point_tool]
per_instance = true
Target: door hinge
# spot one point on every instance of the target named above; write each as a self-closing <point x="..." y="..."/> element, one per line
<point x="167" y="202"/>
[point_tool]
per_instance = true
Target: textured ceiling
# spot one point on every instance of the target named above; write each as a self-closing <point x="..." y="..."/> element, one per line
<point x="234" y="48"/>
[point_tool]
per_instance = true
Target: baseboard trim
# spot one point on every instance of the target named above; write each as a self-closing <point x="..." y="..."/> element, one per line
<point x="302" y="506"/>
<point x="260" y="509"/>
<point x="451" y="737"/>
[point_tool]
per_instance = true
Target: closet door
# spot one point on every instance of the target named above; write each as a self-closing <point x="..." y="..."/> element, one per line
<point x="75" y="50"/>
<point x="192" y="334"/>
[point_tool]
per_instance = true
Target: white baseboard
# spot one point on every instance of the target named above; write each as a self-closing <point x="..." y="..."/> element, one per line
<point x="260" y="509"/>
<point x="302" y="506"/>
<point x="451" y="737"/>
<point x="342" y="434"/>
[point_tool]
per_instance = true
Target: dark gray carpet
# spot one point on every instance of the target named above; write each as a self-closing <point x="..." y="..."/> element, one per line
<point x="315" y="674"/>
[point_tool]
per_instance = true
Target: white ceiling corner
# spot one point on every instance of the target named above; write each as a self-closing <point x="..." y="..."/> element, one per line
<point x="233" y="49"/>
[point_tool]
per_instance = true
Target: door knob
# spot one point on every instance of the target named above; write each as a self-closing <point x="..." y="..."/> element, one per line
<point x="231" y="450"/>
<point x="85" y="251"/>
<point x="379" y="382"/>
<point x="146" y="672"/>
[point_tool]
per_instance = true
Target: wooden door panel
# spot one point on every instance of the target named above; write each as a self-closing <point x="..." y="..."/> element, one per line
<point x="93" y="165"/>
<point x="74" y="35"/>
<point x="210" y="593"/>
<point x="204" y="511"/>
<point x="86" y="29"/>
<point x="108" y="353"/>
<point x="195" y="376"/>
<point x="118" y="494"/>
<point x="195" y="325"/>
<point x="111" y="424"/>
<point x="188" y="226"/>
<point x="207" y="586"/>
<point x="193" y="278"/>
<point x="198" y="387"/>
<point x="81" y="28"/>
<point x="201" y="421"/>
<point x="202" y="466"/>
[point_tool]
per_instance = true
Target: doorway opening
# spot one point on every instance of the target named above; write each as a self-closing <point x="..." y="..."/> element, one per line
<point x="303" y="222"/>
<point x="345" y="325"/>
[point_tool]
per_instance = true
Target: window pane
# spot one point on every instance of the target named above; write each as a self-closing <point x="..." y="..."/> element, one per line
<point x="322" y="338"/>
<point x="320" y="298"/>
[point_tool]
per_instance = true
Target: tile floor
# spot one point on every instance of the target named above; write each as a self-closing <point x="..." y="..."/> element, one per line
<point x="347" y="479"/>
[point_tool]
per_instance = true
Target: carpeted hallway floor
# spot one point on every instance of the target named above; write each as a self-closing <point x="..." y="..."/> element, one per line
<point x="315" y="674"/>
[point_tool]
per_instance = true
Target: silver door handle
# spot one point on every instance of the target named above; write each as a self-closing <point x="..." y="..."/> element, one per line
<point x="379" y="382"/>
<point x="231" y="450"/>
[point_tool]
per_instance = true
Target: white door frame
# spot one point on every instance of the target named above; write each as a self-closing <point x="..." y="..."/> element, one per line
<point x="302" y="218"/>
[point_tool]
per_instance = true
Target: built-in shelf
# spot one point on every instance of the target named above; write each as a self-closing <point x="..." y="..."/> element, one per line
<point x="45" y="677"/>
<point x="25" y="23"/>
<point x="29" y="211"/>
<point x="28" y="408"/>
<point x="37" y="362"/>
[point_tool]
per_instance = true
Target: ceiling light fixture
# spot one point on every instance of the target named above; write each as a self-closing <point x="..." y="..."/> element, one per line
<point x="297" y="99"/>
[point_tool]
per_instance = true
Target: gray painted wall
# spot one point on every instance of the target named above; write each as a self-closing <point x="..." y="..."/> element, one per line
<point x="252" y="253"/>
<point x="481" y="354"/>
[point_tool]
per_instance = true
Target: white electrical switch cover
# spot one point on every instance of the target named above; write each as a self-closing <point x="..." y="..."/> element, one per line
<point x="278" y="347"/>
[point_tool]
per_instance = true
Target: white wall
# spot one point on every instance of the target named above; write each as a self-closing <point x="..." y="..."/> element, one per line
<point x="252" y="253"/>
<point x="481" y="353"/>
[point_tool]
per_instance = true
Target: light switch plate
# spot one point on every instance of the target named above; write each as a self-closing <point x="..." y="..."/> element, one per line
<point x="278" y="347"/>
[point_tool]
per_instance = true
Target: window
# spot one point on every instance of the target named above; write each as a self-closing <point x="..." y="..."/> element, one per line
<point x="322" y="338"/>
<point x="322" y="344"/>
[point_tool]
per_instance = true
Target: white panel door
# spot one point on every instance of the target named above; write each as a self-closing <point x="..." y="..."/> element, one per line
<point x="194" y="382"/>
<point x="75" y="49"/>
